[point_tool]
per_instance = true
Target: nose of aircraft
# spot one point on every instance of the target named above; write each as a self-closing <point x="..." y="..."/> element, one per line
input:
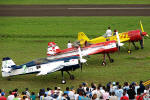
<point x="144" y="34"/>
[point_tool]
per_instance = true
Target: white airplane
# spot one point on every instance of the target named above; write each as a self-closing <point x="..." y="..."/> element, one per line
<point x="58" y="60"/>
<point x="43" y="66"/>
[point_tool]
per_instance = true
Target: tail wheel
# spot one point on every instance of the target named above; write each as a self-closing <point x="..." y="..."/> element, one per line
<point x="103" y="63"/>
<point x="72" y="77"/>
<point x="129" y="51"/>
<point x="111" y="60"/>
<point x="63" y="82"/>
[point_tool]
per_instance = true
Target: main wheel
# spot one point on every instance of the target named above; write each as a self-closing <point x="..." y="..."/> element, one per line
<point x="103" y="63"/>
<point x="129" y="51"/>
<point x="63" y="82"/>
<point x="72" y="77"/>
<point x="111" y="60"/>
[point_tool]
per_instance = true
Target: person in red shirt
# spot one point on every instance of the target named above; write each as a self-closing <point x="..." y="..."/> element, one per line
<point x="124" y="97"/>
<point x="3" y="97"/>
<point x="139" y="96"/>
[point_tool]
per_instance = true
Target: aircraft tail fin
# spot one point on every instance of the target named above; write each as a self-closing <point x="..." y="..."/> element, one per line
<point x="82" y="38"/>
<point x="53" y="49"/>
<point x="7" y="64"/>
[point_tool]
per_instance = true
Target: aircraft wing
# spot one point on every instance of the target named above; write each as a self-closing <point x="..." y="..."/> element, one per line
<point x="58" y="65"/>
<point x="50" y="67"/>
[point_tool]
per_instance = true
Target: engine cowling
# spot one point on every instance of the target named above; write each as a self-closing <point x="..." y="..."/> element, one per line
<point x="136" y="35"/>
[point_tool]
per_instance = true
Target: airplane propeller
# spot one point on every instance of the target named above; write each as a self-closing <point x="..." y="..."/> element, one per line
<point x="142" y="33"/>
<point x="119" y="44"/>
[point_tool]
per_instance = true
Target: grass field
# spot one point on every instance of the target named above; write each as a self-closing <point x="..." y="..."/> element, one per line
<point x="74" y="2"/>
<point x="25" y="38"/>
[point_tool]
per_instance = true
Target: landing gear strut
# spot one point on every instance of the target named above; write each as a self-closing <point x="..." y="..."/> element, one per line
<point x="104" y="59"/>
<point x="129" y="50"/>
<point x="136" y="47"/>
<point x="110" y="59"/>
<point x="71" y="76"/>
<point x="63" y="81"/>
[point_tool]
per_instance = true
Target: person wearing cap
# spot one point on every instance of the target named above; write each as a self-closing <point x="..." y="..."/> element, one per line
<point x="71" y="94"/>
<point x="114" y="88"/>
<point x="131" y="93"/>
<point x="60" y="93"/>
<point x="119" y="92"/>
<point x="2" y="96"/>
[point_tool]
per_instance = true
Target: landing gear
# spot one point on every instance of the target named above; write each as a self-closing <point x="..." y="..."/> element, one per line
<point x="104" y="59"/>
<point x="129" y="51"/>
<point x="63" y="80"/>
<point x="110" y="59"/>
<point x="136" y="48"/>
<point x="71" y="76"/>
<point x="103" y="63"/>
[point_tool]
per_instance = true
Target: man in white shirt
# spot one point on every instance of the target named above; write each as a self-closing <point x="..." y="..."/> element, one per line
<point x="10" y="97"/>
<point x="69" y="45"/>
<point x="27" y="92"/>
<point x="71" y="94"/>
<point x="108" y="32"/>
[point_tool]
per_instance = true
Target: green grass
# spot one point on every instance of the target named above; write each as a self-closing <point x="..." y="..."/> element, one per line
<point x="74" y="2"/>
<point x="25" y="38"/>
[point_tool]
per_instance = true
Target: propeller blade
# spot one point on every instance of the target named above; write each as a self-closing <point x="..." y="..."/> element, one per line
<point x="141" y="26"/>
<point x="81" y="66"/>
<point x="118" y="40"/>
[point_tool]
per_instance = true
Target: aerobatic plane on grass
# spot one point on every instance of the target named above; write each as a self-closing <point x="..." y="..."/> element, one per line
<point x="105" y="48"/>
<point x="58" y="60"/>
<point x="130" y="36"/>
<point x="43" y="66"/>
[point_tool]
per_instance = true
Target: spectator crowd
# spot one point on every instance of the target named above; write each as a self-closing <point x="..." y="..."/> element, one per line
<point x="111" y="91"/>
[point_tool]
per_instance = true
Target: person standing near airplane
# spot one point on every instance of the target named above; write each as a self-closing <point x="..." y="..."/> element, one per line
<point x="108" y="32"/>
<point x="69" y="45"/>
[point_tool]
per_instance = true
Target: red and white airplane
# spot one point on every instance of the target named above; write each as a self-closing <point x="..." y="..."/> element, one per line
<point x="105" y="48"/>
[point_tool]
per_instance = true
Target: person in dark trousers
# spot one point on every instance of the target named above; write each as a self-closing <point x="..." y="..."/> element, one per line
<point x="142" y="87"/>
<point x="131" y="93"/>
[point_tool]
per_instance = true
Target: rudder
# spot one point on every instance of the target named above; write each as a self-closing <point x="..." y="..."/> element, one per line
<point x="82" y="38"/>
<point x="6" y="66"/>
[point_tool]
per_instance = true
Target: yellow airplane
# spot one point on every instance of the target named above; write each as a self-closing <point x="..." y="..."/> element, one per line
<point x="130" y="36"/>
